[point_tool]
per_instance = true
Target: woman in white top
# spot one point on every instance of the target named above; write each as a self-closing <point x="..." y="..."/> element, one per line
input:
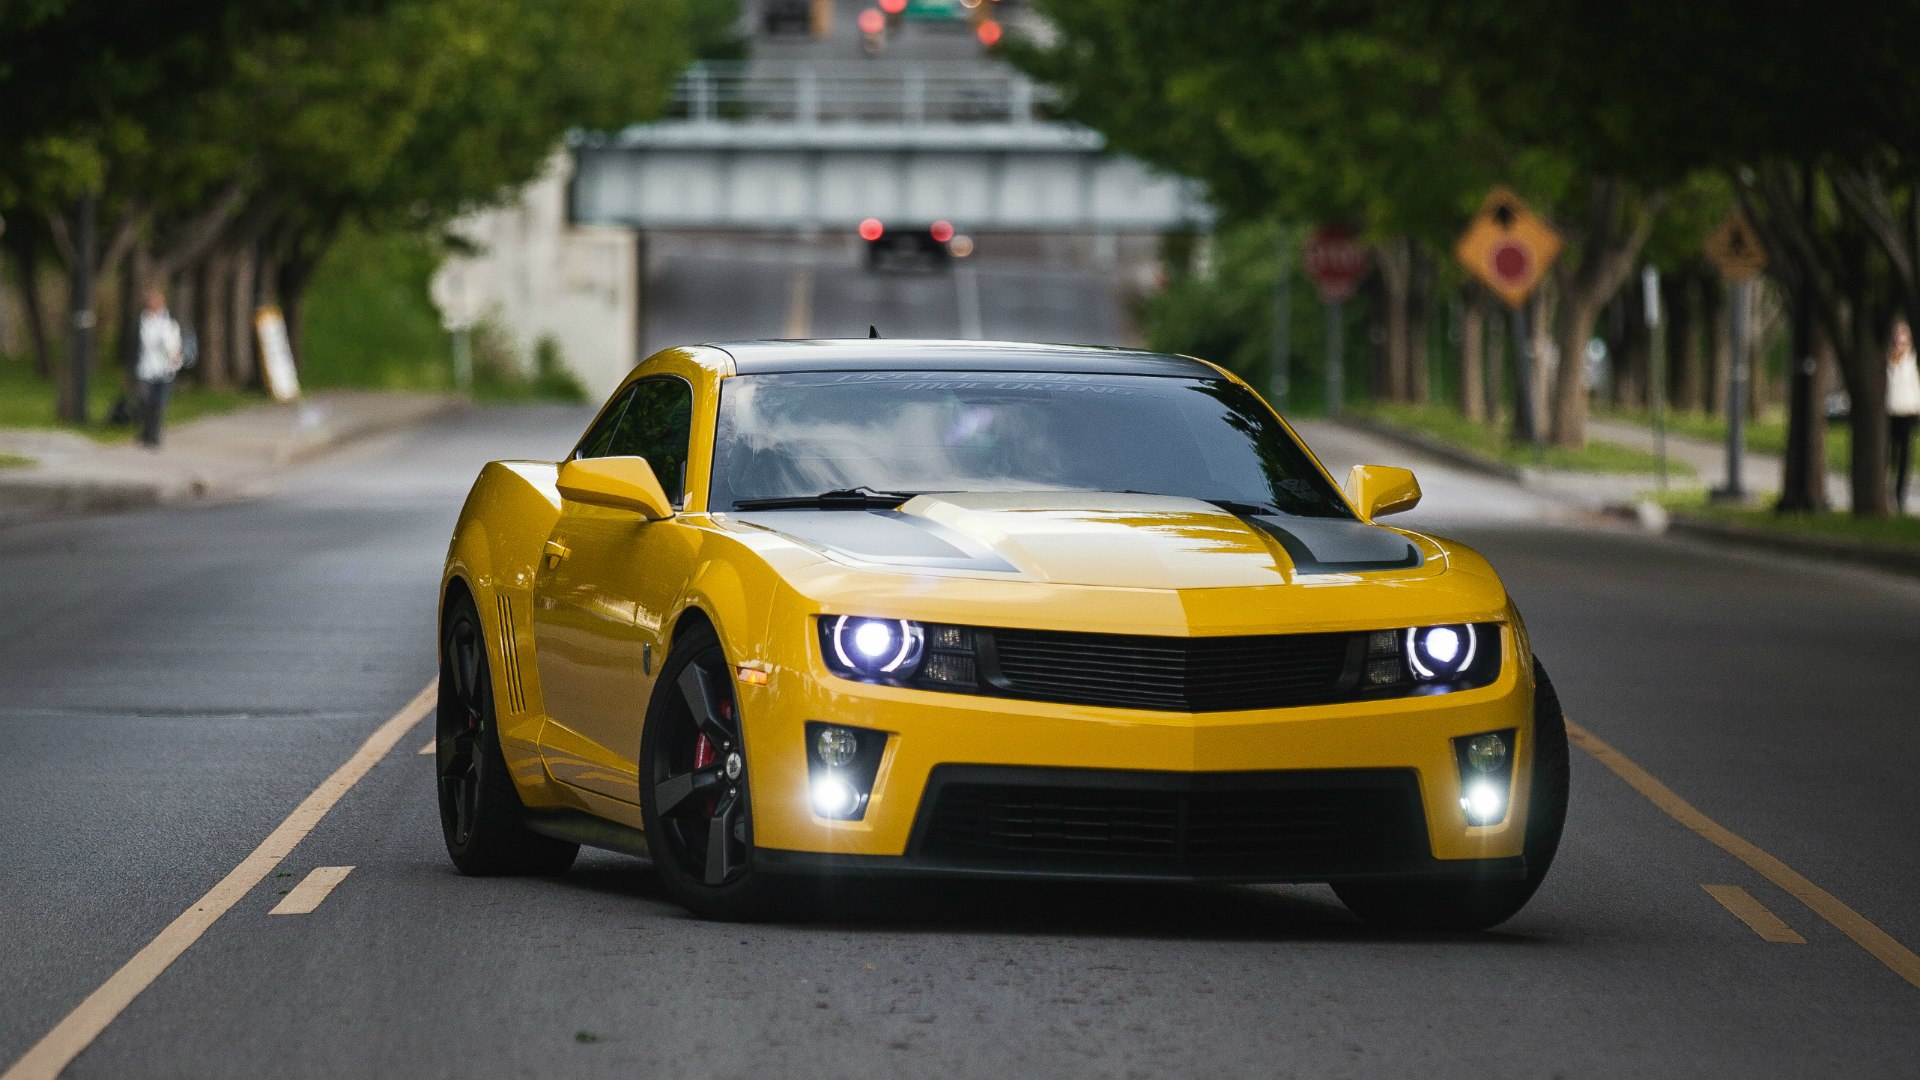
<point x="160" y="358"/>
<point x="1903" y="408"/>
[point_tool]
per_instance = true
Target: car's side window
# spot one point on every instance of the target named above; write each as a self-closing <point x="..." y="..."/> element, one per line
<point x="599" y="437"/>
<point x="658" y="426"/>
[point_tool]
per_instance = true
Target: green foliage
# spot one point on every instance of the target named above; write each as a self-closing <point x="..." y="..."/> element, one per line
<point x="497" y="378"/>
<point x="1226" y="316"/>
<point x="369" y="321"/>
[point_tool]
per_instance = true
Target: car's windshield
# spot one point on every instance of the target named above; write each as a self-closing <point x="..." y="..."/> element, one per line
<point x="792" y="436"/>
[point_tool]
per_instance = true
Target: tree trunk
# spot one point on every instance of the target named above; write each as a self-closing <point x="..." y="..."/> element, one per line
<point x="1684" y="384"/>
<point x="246" y="371"/>
<point x="1473" y="334"/>
<point x="216" y="359"/>
<point x="186" y="308"/>
<point x="1609" y="249"/>
<point x="1543" y="306"/>
<point x="27" y="250"/>
<point x="1373" y="292"/>
<point x="1421" y="281"/>
<point x="1394" y="257"/>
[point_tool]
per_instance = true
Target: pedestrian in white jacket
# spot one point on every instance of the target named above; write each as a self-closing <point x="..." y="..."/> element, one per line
<point x="1903" y="408"/>
<point x="160" y="358"/>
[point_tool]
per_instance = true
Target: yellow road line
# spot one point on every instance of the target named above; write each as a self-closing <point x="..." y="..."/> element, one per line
<point x="432" y="744"/>
<point x="1755" y="914"/>
<point x="311" y="891"/>
<point x="1876" y="941"/>
<point x="77" y="1031"/>
<point x="800" y="305"/>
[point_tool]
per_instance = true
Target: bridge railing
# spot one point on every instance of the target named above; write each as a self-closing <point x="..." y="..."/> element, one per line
<point x="799" y="93"/>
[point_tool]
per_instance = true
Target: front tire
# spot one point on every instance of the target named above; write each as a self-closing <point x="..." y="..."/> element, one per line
<point x="1477" y="905"/>
<point x="481" y="816"/>
<point x="695" y="800"/>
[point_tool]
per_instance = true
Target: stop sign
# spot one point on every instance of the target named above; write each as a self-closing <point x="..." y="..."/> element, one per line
<point x="1336" y="261"/>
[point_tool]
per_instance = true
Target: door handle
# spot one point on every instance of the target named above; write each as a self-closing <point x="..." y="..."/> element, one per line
<point x="556" y="551"/>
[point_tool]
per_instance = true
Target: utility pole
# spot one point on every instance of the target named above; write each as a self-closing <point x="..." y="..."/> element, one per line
<point x="80" y="309"/>
<point x="1657" y="366"/>
<point x="1736" y="491"/>
<point x="1735" y="248"/>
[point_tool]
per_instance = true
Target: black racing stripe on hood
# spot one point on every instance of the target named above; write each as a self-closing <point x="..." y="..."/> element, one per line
<point x="882" y="536"/>
<point x="1338" y="545"/>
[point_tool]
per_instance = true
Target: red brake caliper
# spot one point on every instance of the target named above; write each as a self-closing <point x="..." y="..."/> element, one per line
<point x="705" y="753"/>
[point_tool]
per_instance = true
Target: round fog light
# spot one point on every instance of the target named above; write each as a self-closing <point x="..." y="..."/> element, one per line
<point x="1486" y="753"/>
<point x="836" y="747"/>
<point x="834" y="797"/>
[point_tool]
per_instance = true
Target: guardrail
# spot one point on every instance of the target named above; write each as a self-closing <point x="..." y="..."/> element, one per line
<point x="798" y="93"/>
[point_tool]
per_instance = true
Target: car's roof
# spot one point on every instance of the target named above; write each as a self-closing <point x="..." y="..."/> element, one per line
<point x="896" y="354"/>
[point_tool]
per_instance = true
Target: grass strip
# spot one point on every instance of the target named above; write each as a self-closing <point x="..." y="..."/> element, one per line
<point x="1597" y="456"/>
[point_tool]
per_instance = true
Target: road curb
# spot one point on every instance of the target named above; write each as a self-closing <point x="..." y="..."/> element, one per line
<point x="1432" y="447"/>
<point x="1891" y="559"/>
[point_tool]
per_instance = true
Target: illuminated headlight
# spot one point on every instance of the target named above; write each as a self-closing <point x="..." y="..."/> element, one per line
<point x="876" y="648"/>
<point x="1438" y="653"/>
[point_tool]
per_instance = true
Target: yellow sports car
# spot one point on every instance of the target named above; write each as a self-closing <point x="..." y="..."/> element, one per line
<point x="976" y="609"/>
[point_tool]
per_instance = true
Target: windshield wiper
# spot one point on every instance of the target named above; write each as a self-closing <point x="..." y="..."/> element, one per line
<point x="853" y="498"/>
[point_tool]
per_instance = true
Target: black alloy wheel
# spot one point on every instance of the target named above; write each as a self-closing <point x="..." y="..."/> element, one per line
<point x="480" y="811"/>
<point x="694" y="796"/>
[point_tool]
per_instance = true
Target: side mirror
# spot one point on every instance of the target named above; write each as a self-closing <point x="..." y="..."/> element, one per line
<point x="1379" y="490"/>
<point x="620" y="483"/>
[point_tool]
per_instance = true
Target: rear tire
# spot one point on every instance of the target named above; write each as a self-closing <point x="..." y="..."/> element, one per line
<point x="694" y="795"/>
<point x="1477" y="905"/>
<point x="481" y="816"/>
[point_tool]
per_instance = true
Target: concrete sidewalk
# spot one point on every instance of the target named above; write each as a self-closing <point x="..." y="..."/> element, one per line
<point x="230" y="456"/>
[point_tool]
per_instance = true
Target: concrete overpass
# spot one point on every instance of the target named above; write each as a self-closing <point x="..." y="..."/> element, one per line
<point x="803" y="147"/>
<point x="799" y="148"/>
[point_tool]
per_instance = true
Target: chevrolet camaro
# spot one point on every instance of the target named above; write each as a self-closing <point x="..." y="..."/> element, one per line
<point x="804" y="609"/>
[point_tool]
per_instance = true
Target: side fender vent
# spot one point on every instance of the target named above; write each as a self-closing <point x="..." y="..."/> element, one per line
<point x="510" y="656"/>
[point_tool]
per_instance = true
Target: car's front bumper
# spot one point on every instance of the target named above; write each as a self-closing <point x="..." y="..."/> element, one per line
<point x="930" y="735"/>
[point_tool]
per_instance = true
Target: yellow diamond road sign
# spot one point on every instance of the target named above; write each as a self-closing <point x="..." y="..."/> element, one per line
<point x="1508" y="247"/>
<point x="1736" y="249"/>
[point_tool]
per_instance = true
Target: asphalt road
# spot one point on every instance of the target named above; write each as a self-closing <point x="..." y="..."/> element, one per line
<point x="177" y="681"/>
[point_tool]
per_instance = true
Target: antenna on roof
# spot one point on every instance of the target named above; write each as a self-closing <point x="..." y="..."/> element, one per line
<point x="873" y="331"/>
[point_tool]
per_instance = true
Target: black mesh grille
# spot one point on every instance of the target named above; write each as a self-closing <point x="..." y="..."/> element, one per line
<point x="1184" y="674"/>
<point x="1302" y="825"/>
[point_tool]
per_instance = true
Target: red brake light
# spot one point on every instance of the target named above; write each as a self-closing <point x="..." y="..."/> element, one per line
<point x="871" y="229"/>
<point x="893" y="7"/>
<point x="872" y="22"/>
<point x="989" y="32"/>
<point x="942" y="231"/>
